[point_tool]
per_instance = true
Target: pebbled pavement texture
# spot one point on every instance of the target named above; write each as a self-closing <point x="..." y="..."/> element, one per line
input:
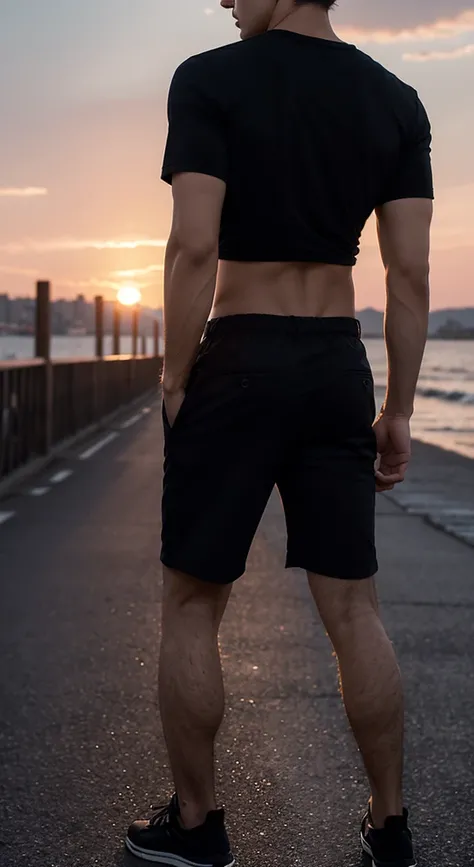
<point x="81" y="754"/>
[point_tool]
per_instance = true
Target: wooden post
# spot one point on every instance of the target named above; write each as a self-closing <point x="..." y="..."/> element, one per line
<point x="43" y="350"/>
<point x="43" y="320"/>
<point x="156" y="338"/>
<point x="116" y="341"/>
<point x="143" y="344"/>
<point x="135" y="331"/>
<point x="99" y="326"/>
<point x="99" y="351"/>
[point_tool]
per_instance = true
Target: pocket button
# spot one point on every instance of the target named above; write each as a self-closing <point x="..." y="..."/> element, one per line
<point x="245" y="383"/>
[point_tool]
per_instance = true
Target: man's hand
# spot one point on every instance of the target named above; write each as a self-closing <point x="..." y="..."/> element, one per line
<point x="394" y="448"/>
<point x="173" y="401"/>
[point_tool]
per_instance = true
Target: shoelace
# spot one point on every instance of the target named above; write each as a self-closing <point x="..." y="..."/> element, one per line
<point x="162" y="816"/>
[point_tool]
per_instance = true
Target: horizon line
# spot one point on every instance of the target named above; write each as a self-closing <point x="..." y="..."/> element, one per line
<point x="90" y="300"/>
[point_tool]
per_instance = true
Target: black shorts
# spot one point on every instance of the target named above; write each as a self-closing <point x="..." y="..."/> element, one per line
<point x="273" y="400"/>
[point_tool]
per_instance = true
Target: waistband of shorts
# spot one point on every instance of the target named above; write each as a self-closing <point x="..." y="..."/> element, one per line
<point x="262" y="323"/>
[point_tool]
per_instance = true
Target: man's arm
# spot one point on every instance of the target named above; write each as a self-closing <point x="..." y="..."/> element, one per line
<point x="404" y="235"/>
<point x="190" y="277"/>
<point x="196" y="164"/>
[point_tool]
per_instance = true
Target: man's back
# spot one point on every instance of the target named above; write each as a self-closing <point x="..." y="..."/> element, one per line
<point x="310" y="135"/>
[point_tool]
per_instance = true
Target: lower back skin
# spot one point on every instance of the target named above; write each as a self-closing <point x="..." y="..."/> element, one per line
<point x="284" y="289"/>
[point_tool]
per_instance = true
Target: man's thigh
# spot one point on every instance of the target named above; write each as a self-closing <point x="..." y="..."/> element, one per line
<point x="219" y="472"/>
<point x="330" y="515"/>
<point x="328" y="483"/>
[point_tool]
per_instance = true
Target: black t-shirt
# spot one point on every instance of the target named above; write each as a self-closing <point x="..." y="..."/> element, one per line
<point x="310" y="137"/>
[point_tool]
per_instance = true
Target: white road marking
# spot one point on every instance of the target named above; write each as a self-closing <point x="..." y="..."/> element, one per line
<point x="98" y="446"/>
<point x="454" y="512"/>
<point x="5" y="516"/>
<point x="453" y="517"/>
<point x="39" y="492"/>
<point x="131" y="421"/>
<point x="60" y="477"/>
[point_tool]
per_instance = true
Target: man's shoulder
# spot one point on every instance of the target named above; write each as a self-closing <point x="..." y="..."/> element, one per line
<point x="388" y="79"/>
<point x="213" y="61"/>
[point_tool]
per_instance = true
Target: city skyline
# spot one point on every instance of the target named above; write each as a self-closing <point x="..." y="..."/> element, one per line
<point x="81" y="202"/>
<point x="74" y="316"/>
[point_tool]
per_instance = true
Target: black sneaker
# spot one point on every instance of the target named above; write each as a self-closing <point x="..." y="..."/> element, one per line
<point x="163" y="840"/>
<point x="390" y="846"/>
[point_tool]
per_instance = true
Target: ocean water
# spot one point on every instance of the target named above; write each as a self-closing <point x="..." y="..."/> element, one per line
<point x="65" y="347"/>
<point x="444" y="412"/>
<point x="444" y="408"/>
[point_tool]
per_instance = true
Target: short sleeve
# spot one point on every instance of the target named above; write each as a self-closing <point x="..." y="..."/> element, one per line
<point x="413" y="175"/>
<point x="196" y="136"/>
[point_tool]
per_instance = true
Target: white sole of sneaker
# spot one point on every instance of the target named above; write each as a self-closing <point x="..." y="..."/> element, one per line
<point x="368" y="851"/>
<point x="165" y="857"/>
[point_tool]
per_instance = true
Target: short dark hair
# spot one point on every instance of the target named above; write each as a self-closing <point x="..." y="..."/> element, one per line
<point x="326" y="4"/>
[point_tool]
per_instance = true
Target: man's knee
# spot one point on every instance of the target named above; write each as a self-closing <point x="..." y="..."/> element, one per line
<point x="343" y="604"/>
<point x="183" y="594"/>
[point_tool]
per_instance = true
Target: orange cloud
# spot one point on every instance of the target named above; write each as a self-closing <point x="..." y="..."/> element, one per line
<point x="442" y="28"/>
<point x="427" y="56"/>
<point x="22" y="192"/>
<point x="91" y="283"/>
<point x="17" y="272"/>
<point x="71" y="244"/>
<point x="138" y="272"/>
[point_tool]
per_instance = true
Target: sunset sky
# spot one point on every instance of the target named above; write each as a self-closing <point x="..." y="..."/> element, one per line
<point x="83" y="107"/>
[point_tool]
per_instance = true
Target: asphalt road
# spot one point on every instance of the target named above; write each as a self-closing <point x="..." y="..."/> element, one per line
<point x="81" y="753"/>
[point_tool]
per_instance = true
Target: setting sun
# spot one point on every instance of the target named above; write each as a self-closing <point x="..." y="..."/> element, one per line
<point x="129" y="295"/>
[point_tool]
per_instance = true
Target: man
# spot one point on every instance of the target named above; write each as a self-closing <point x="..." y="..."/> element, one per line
<point x="279" y="149"/>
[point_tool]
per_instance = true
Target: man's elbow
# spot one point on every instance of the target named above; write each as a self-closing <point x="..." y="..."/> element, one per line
<point x="409" y="275"/>
<point x="197" y="249"/>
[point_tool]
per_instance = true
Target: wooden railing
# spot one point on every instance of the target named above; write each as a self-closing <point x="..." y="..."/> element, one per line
<point x="43" y="404"/>
<point x="22" y="413"/>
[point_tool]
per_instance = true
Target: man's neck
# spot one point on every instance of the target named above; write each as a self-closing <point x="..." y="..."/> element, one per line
<point x="306" y="20"/>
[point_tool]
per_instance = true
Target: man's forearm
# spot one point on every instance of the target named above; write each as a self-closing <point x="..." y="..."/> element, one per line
<point x="190" y="280"/>
<point x="406" y="330"/>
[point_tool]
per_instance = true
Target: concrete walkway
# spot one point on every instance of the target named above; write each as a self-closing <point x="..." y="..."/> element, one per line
<point x="80" y="749"/>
